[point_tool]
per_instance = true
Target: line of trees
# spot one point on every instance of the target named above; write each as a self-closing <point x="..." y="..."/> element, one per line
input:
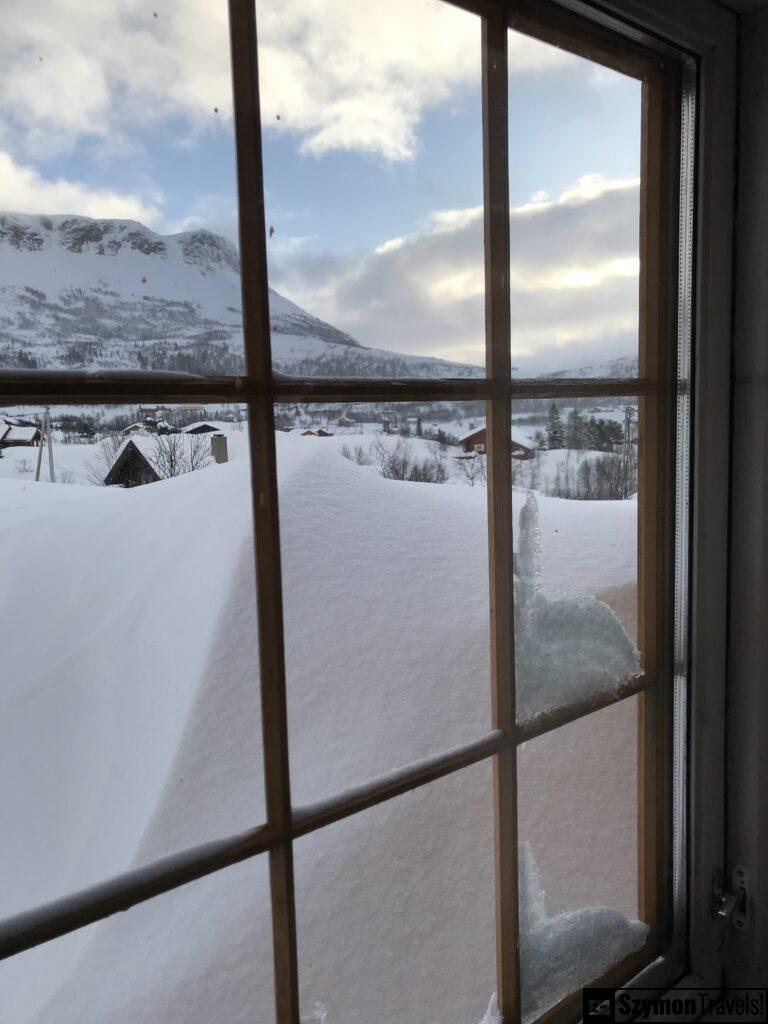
<point x="580" y="433"/>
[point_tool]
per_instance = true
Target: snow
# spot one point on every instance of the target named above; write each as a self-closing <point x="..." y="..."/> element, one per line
<point x="114" y="290"/>
<point x="129" y="722"/>
<point x="19" y="434"/>
<point x="561" y="954"/>
<point x="85" y="463"/>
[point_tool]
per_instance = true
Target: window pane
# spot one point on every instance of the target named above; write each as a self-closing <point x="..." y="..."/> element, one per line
<point x="117" y="162"/>
<point x="383" y="528"/>
<point x="129" y="712"/>
<point x="574" y="166"/>
<point x="396" y="909"/>
<point x="575" y="506"/>
<point x="577" y="810"/>
<point x="201" y="953"/>
<point x="372" y="141"/>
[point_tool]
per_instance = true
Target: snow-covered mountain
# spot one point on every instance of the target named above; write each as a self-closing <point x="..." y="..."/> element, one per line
<point x="77" y="292"/>
<point x="82" y="293"/>
<point x="620" y="366"/>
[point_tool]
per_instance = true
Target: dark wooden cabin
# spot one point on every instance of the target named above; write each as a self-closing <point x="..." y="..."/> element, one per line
<point x="130" y="469"/>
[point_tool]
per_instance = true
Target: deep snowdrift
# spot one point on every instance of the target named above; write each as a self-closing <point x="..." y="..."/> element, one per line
<point x="129" y="726"/>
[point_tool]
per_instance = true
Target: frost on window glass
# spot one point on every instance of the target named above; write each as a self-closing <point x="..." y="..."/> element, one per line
<point x="574" y="498"/>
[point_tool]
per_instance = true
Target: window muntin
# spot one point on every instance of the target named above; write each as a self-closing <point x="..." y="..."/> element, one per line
<point x="653" y="386"/>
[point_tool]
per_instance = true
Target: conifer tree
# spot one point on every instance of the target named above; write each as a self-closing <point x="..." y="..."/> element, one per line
<point x="555" y="432"/>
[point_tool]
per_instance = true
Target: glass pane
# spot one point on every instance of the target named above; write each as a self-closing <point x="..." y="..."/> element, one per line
<point x="575" y="527"/>
<point x="577" y="812"/>
<point x="129" y="712"/>
<point x="574" y="166"/>
<point x="201" y="953"/>
<point x="374" y="187"/>
<point x="118" y="165"/>
<point x="395" y="909"/>
<point x="383" y="527"/>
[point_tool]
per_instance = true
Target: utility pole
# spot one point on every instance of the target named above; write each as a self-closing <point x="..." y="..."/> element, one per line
<point x="628" y="454"/>
<point x="46" y="433"/>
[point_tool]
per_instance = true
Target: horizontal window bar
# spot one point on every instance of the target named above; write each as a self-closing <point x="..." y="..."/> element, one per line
<point x="104" y="387"/>
<point x="384" y="787"/>
<point x="52" y="920"/>
<point x="550" y="720"/>
<point x="318" y="389"/>
<point x="34" y="927"/>
<point x="88" y="387"/>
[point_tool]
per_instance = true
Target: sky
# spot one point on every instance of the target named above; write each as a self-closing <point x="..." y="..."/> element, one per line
<point x="372" y="160"/>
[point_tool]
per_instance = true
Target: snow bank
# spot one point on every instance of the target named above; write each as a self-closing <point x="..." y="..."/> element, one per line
<point x="563" y="953"/>
<point x="129" y="723"/>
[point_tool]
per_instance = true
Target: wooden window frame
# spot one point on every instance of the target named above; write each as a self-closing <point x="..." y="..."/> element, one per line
<point x="660" y="69"/>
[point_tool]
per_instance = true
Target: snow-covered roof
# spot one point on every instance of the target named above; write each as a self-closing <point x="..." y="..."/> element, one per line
<point x="20" y="433"/>
<point x="196" y="426"/>
<point x="517" y="436"/>
<point x="521" y="439"/>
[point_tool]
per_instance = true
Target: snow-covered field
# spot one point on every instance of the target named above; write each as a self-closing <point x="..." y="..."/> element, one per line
<point x="130" y="728"/>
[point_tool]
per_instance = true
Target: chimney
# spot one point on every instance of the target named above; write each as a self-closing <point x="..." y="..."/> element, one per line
<point x="219" y="448"/>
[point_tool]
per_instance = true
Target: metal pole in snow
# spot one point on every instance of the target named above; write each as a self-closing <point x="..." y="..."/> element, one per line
<point x="51" y="471"/>
<point x="40" y="448"/>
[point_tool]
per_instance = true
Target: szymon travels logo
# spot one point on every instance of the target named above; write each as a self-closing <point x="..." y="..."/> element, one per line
<point x="615" y="1005"/>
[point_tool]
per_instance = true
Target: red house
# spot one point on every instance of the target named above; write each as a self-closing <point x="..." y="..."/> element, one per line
<point x="475" y="441"/>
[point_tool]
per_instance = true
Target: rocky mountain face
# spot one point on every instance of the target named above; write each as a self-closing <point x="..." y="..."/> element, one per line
<point x="82" y="293"/>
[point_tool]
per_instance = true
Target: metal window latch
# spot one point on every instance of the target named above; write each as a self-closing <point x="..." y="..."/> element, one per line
<point x="731" y="904"/>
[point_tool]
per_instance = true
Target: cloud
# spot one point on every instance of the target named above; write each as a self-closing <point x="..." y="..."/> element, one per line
<point x="24" y="190"/>
<point x="334" y="75"/>
<point x="574" y="282"/>
<point x="79" y="70"/>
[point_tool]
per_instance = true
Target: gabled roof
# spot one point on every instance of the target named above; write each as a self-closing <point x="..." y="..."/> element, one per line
<point x="14" y="433"/>
<point x="129" y="450"/>
<point x="196" y="426"/>
<point x="472" y="433"/>
<point x="517" y="437"/>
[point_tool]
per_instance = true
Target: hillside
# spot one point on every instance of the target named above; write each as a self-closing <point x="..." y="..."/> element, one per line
<point x="84" y="293"/>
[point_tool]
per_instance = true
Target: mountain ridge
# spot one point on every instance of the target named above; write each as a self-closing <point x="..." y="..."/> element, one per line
<point x="79" y="292"/>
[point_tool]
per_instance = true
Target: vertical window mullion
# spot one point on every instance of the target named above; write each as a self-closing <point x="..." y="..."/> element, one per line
<point x="258" y="358"/>
<point x="659" y="192"/>
<point x="499" y="419"/>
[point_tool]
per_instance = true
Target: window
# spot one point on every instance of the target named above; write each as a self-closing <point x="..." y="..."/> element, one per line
<point x="539" y="821"/>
